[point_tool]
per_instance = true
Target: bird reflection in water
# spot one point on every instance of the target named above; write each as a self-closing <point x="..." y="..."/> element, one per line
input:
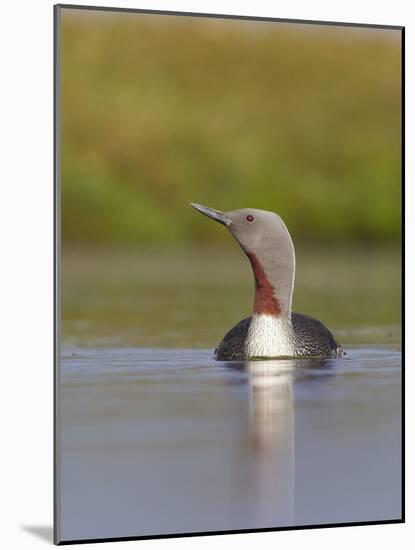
<point x="272" y="432"/>
<point x="272" y="437"/>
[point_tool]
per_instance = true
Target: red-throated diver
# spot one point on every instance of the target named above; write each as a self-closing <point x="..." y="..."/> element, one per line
<point x="272" y="330"/>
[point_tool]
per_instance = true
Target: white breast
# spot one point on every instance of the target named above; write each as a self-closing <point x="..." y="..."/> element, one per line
<point x="270" y="336"/>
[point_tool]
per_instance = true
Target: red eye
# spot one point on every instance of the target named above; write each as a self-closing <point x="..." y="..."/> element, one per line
<point x="250" y="218"/>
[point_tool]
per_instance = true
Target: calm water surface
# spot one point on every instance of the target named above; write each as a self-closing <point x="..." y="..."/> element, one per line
<point x="165" y="441"/>
<point x="157" y="437"/>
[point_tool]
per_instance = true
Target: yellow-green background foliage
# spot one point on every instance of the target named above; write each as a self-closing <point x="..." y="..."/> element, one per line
<point x="158" y="111"/>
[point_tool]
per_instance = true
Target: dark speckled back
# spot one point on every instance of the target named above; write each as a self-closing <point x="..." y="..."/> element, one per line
<point x="312" y="339"/>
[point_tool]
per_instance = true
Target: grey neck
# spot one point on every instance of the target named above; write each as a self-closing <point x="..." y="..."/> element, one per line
<point x="279" y="267"/>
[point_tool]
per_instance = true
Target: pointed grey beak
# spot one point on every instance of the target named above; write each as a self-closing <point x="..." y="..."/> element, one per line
<point x="216" y="215"/>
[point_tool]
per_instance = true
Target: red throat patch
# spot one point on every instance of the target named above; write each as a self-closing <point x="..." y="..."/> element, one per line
<point x="265" y="301"/>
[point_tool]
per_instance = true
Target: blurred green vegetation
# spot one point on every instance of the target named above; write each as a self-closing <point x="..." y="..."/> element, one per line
<point x="160" y="111"/>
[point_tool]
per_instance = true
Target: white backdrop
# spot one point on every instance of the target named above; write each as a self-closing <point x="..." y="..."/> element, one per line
<point x="26" y="268"/>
